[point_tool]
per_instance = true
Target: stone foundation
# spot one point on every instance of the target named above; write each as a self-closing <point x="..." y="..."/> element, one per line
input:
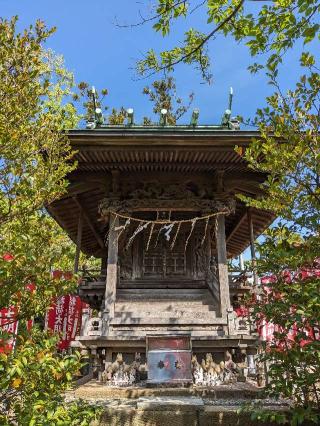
<point x="186" y="416"/>
<point x="93" y="390"/>
<point x="194" y="406"/>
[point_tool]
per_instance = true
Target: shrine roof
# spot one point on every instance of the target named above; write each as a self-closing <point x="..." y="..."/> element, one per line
<point x="167" y="134"/>
<point x="140" y="151"/>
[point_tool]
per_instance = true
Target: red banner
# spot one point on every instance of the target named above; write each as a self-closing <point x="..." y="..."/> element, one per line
<point x="64" y="317"/>
<point x="9" y="325"/>
<point x="8" y="322"/>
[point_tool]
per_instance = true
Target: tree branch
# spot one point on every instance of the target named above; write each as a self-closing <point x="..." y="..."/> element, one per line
<point x="202" y="43"/>
<point x="152" y="18"/>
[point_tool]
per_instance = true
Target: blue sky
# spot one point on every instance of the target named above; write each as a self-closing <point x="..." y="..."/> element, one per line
<point x="104" y="55"/>
<point x="99" y="52"/>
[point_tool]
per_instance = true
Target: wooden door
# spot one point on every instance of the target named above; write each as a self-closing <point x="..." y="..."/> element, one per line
<point x="162" y="261"/>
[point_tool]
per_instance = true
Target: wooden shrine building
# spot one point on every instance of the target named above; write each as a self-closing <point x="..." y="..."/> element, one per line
<point x="158" y="206"/>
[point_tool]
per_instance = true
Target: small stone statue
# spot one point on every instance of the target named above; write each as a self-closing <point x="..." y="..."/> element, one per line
<point x="119" y="373"/>
<point x="209" y="373"/>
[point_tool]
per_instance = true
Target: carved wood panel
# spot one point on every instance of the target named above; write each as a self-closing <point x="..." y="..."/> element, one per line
<point x="154" y="261"/>
<point x="161" y="261"/>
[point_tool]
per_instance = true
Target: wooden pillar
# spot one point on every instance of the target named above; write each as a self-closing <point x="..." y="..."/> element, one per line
<point x="222" y="265"/>
<point x="252" y="249"/>
<point x="211" y="277"/>
<point x="79" y="238"/>
<point x="241" y="262"/>
<point x="219" y="181"/>
<point x="112" y="269"/>
<point x="115" y="182"/>
<point x="103" y="269"/>
<point x="208" y="245"/>
<point x="137" y="252"/>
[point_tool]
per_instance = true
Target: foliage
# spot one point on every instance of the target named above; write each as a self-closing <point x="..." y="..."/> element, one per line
<point x="289" y="152"/>
<point x="33" y="153"/>
<point x="117" y="116"/>
<point x="88" y="102"/>
<point x="35" y="158"/>
<point x="34" y="254"/>
<point x="270" y="29"/>
<point x="163" y="95"/>
<point x="32" y="383"/>
<point x="61" y="89"/>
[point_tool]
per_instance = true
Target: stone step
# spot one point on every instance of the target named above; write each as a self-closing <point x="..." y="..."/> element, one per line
<point x="165" y="330"/>
<point x="148" y="284"/>
<point x="178" y="313"/>
<point x="165" y="306"/>
<point x="162" y="284"/>
<point x="182" y="294"/>
<point x="161" y="290"/>
<point x="129" y="319"/>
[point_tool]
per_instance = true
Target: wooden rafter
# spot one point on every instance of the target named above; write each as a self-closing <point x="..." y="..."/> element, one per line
<point x="75" y="189"/>
<point x="238" y="225"/>
<point x="89" y="222"/>
<point x="252" y="248"/>
<point x="134" y="164"/>
<point x="79" y="240"/>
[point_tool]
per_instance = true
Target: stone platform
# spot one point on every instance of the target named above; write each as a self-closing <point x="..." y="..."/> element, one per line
<point x="193" y="406"/>
<point x="94" y="390"/>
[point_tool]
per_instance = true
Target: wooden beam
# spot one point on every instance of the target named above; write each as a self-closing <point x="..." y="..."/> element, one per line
<point x="222" y="265"/>
<point x="95" y="176"/>
<point x="172" y="208"/>
<point x="219" y="180"/>
<point x="115" y="182"/>
<point x="100" y="252"/>
<point x="52" y="210"/>
<point x="197" y="164"/>
<point x="153" y="138"/>
<point x="147" y="144"/>
<point x="79" y="188"/>
<point x="112" y="270"/>
<point x="89" y="222"/>
<point x="241" y="262"/>
<point x="245" y="176"/>
<point x="104" y="264"/>
<point x="246" y="187"/>
<point x="79" y="239"/>
<point x="238" y="225"/>
<point x="252" y="249"/>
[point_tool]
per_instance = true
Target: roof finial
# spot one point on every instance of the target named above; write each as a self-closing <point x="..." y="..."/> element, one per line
<point x="98" y="118"/>
<point x="163" y="117"/>
<point x="130" y="116"/>
<point x="230" y="98"/>
<point x="195" y="117"/>
<point x="227" y="114"/>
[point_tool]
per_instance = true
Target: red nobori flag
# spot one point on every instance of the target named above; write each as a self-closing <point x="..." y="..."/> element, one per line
<point x="64" y="317"/>
<point x="9" y="325"/>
